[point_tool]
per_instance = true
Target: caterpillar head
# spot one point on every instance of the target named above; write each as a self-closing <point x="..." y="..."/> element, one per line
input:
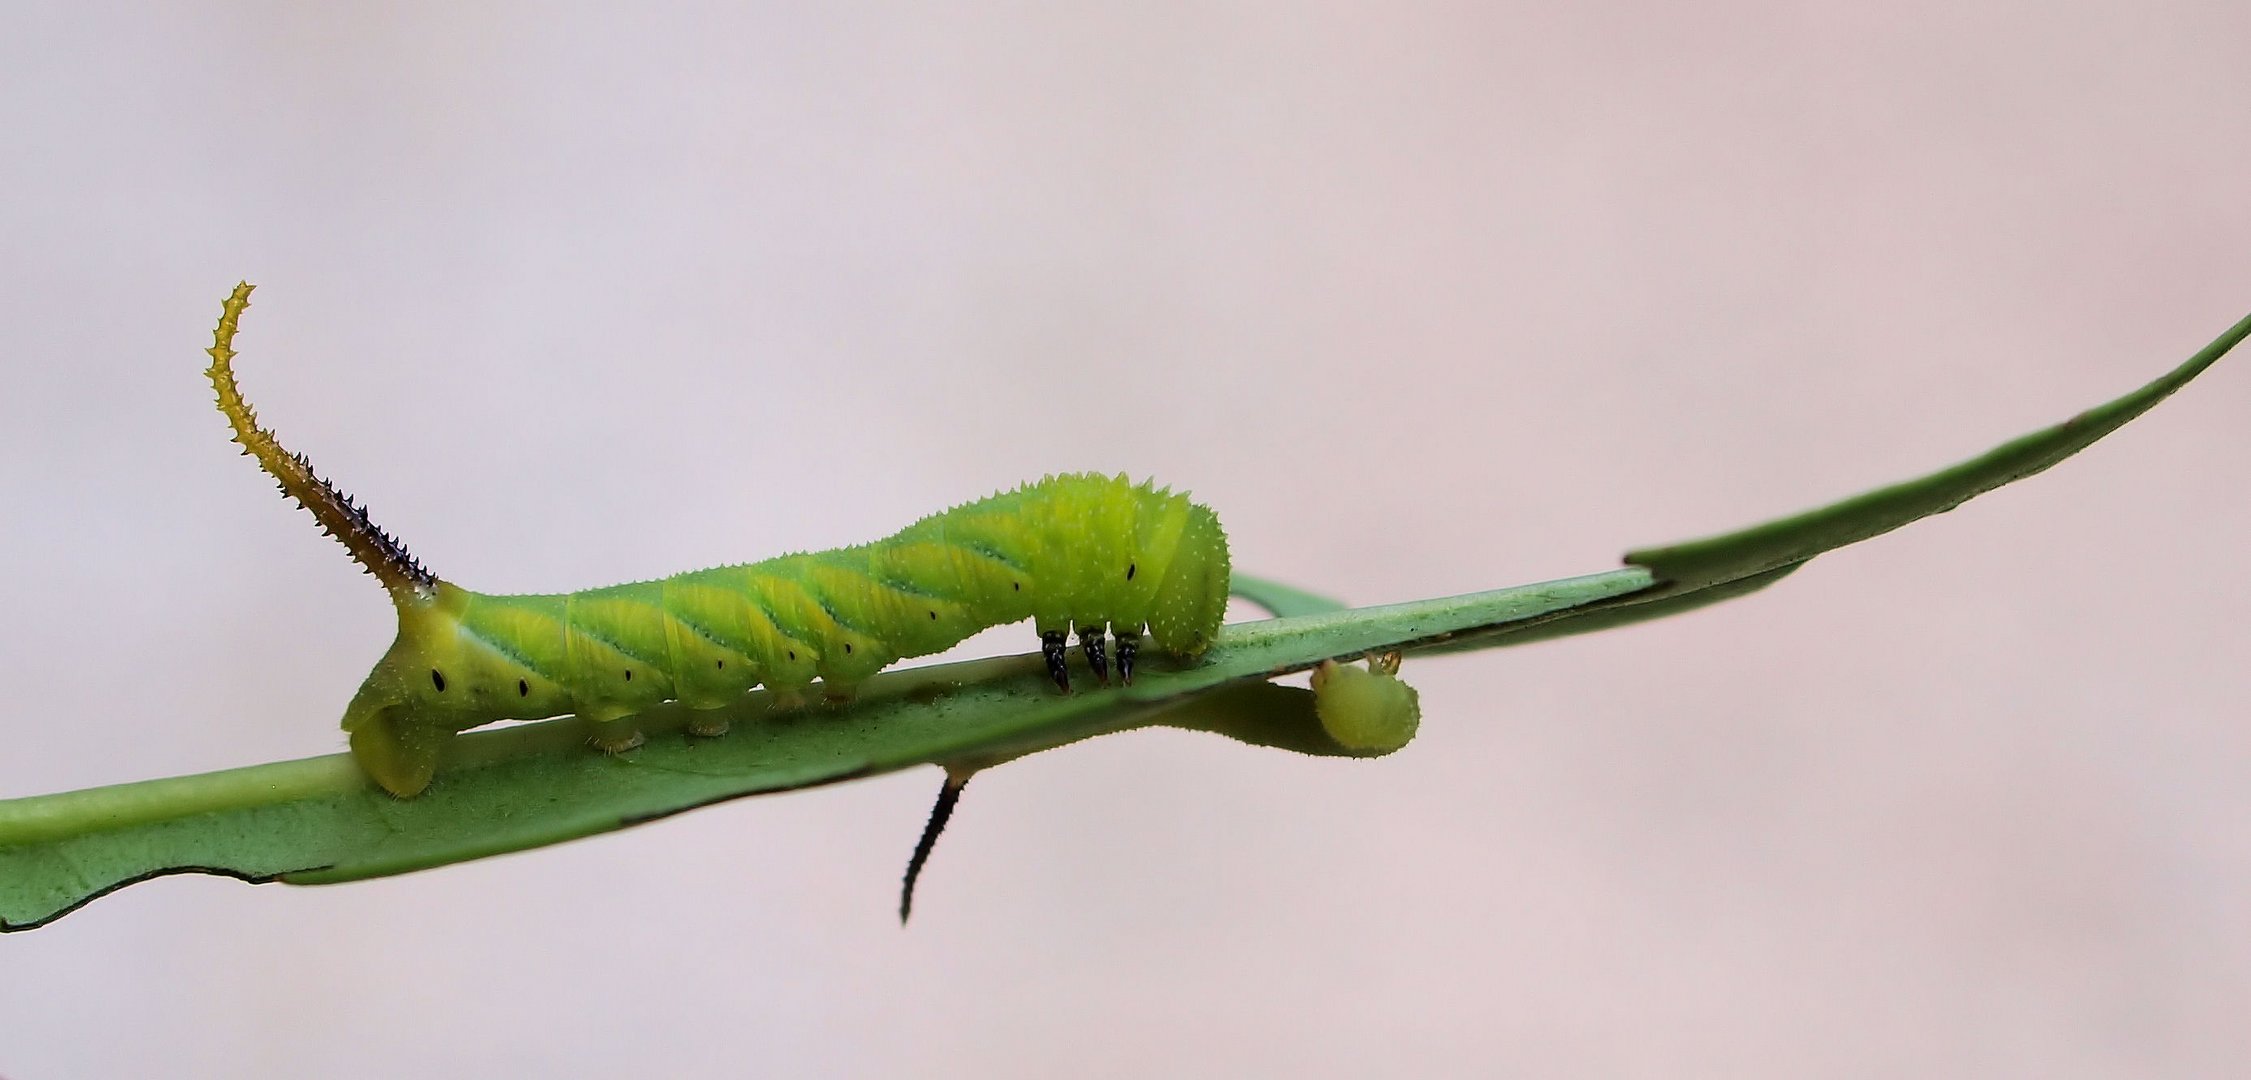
<point x="1366" y="708"/>
<point x="1193" y="598"/>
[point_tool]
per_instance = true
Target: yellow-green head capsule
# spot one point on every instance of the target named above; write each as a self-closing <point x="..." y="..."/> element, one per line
<point x="1366" y="708"/>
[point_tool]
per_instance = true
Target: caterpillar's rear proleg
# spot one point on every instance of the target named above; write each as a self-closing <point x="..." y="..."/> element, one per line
<point x="707" y="723"/>
<point x="400" y="756"/>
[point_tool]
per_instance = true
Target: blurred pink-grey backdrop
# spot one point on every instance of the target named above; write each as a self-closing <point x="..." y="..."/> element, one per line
<point x="1424" y="299"/>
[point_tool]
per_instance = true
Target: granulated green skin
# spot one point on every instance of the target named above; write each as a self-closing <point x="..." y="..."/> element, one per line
<point x="1077" y="551"/>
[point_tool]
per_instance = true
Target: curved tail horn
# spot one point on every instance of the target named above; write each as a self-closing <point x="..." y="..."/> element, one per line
<point x="339" y="515"/>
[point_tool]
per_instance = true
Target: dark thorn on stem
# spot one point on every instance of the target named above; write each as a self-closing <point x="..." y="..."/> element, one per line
<point x="940" y="811"/>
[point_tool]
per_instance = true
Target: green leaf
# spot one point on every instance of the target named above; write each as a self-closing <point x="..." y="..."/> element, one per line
<point x="317" y="820"/>
<point x="1795" y="539"/>
<point x="1281" y="600"/>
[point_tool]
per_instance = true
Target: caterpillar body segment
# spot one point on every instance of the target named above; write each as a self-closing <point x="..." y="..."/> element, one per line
<point x="1098" y="554"/>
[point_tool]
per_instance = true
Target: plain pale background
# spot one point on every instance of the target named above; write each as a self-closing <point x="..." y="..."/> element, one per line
<point x="1424" y="300"/>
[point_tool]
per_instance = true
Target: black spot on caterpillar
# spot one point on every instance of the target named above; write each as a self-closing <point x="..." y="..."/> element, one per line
<point x="838" y="616"/>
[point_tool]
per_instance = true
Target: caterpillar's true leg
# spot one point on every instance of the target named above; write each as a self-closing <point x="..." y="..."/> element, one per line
<point x="1055" y="646"/>
<point x="615" y="736"/>
<point x="400" y="755"/>
<point x="1128" y="645"/>
<point x="1090" y="641"/>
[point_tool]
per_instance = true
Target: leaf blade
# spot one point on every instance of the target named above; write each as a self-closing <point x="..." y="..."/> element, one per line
<point x="1794" y="539"/>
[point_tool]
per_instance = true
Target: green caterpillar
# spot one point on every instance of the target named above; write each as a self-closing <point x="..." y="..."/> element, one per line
<point x="1074" y="551"/>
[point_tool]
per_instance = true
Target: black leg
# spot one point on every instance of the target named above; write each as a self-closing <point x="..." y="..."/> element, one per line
<point x="1090" y="640"/>
<point x="1128" y="645"/>
<point x="1055" y="645"/>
